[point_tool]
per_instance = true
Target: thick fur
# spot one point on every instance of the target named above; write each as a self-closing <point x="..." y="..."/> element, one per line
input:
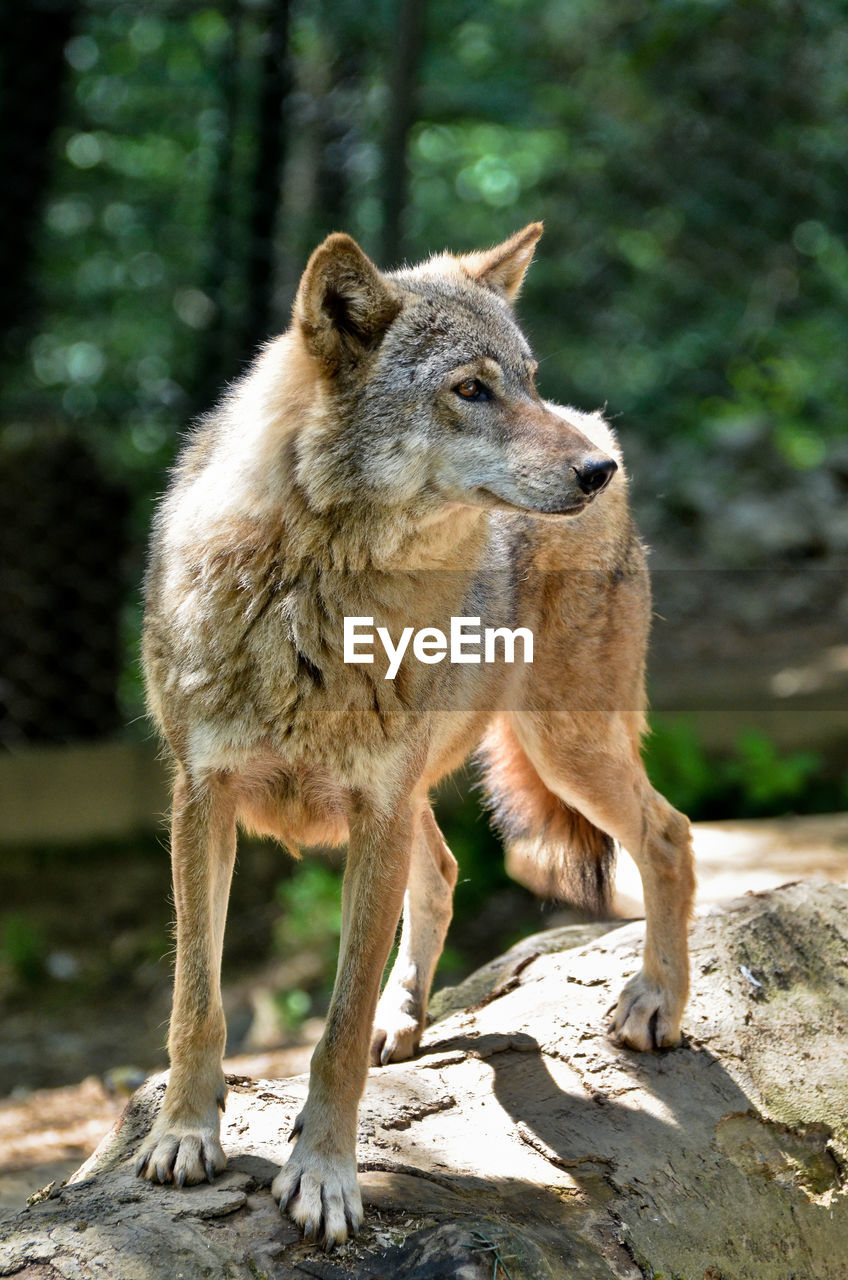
<point x="576" y="858"/>
<point x="389" y="457"/>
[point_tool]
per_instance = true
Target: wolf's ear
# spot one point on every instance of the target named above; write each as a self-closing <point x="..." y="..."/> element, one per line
<point x="503" y="267"/>
<point x="343" y="305"/>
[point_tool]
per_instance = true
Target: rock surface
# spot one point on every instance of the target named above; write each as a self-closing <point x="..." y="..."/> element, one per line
<point x="522" y="1144"/>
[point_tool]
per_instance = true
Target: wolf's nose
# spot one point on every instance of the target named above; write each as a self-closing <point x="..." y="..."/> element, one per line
<point x="595" y="475"/>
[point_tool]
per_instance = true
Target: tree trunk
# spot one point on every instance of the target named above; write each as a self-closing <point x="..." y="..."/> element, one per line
<point x="217" y="361"/>
<point x="406" y="56"/>
<point x="521" y="1143"/>
<point x="32" y="77"/>
<point x="266" y="182"/>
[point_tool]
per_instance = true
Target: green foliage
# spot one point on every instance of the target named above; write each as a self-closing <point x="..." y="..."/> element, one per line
<point x="677" y="764"/>
<point x="293" y="1006"/>
<point x="23" y="948"/>
<point x="311" y="903"/>
<point x="310" y="922"/>
<point x="766" y="780"/>
<point x="754" y="780"/>
<point x="685" y="157"/>
<point x="688" y="160"/>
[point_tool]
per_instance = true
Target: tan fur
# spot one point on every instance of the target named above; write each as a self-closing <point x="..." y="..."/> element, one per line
<point x="390" y="457"/>
<point x="573" y="857"/>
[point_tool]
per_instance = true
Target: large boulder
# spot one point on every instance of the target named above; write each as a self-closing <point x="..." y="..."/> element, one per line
<point x="522" y="1143"/>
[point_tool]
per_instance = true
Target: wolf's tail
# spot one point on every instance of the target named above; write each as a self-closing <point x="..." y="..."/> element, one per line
<point x="551" y="847"/>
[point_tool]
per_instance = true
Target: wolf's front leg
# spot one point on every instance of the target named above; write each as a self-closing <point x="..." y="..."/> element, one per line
<point x="318" y="1184"/>
<point x="183" y="1146"/>
<point x="427" y="910"/>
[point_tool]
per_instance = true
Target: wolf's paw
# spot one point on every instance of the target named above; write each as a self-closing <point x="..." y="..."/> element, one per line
<point x="181" y="1153"/>
<point x="397" y="1029"/>
<point x="321" y="1194"/>
<point x="647" y="1016"/>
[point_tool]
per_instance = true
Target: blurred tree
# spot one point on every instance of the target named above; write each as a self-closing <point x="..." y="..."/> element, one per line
<point x="216" y="348"/>
<point x="328" y="177"/>
<point x="242" y="250"/>
<point x="266" y="177"/>
<point x="32" y="77"/>
<point x="688" y="160"/>
<point x="406" y="49"/>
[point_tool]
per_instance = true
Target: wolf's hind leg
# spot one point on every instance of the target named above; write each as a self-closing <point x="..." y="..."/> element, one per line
<point x="592" y="762"/>
<point x="184" y="1146"/>
<point x="427" y="910"/>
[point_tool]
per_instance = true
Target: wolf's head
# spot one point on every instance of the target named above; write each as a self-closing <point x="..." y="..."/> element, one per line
<point x="428" y="388"/>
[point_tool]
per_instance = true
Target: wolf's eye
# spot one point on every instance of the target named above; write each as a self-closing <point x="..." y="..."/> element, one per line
<point x="472" y="389"/>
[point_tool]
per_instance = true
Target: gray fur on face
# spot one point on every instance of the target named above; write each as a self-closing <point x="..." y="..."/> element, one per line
<point x="405" y="436"/>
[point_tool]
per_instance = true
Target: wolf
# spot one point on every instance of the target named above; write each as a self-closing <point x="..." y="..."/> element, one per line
<point x="389" y="457"/>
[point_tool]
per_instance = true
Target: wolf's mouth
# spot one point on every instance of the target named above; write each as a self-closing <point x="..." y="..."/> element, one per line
<point x="497" y="500"/>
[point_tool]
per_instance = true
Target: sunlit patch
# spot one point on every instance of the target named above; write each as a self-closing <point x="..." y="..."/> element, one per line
<point x="826" y="671"/>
